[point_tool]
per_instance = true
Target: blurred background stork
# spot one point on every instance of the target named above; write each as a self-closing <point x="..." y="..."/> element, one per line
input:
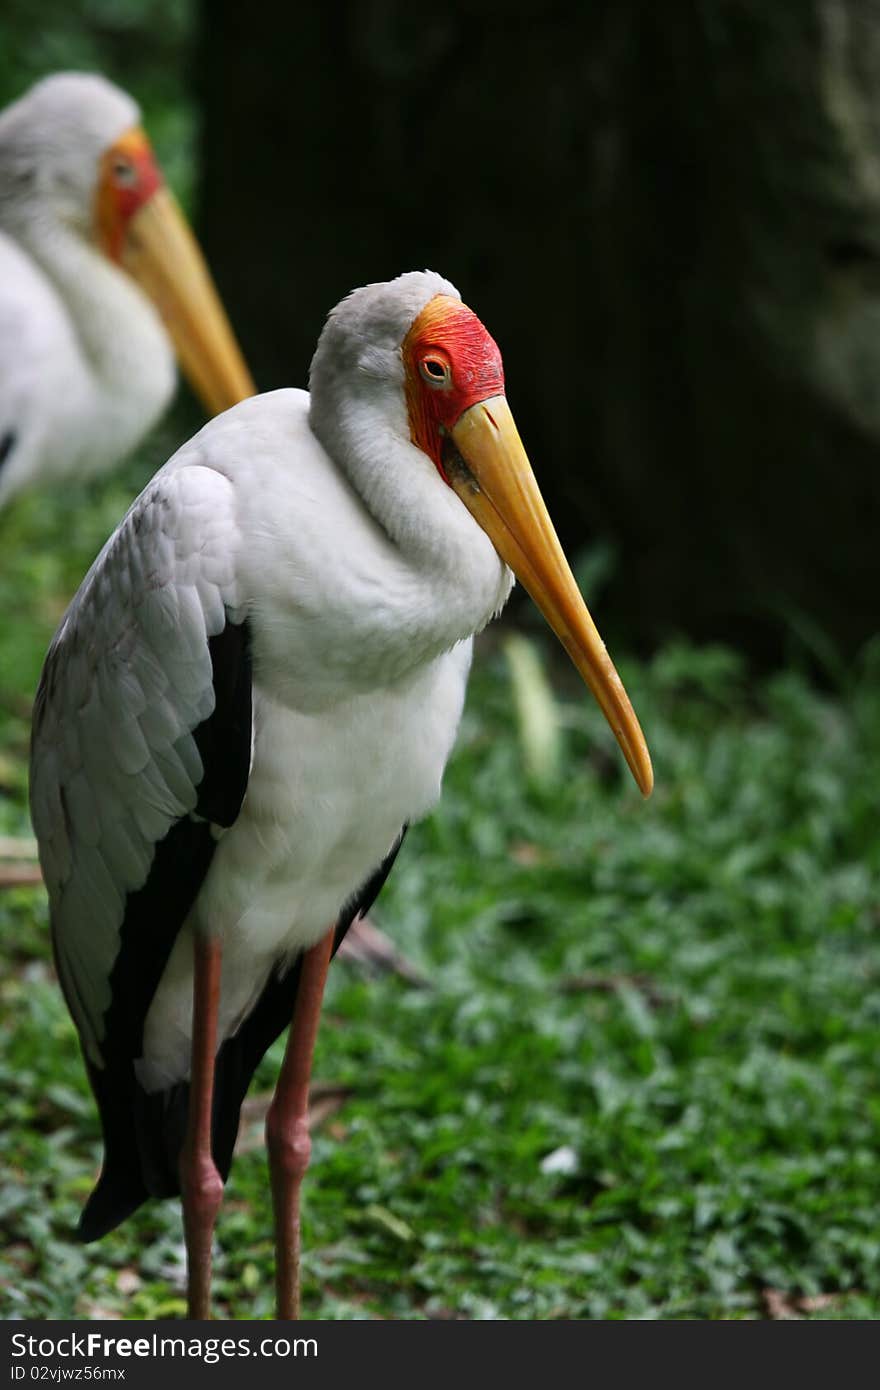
<point x="101" y="282"/>
<point x="672" y="223"/>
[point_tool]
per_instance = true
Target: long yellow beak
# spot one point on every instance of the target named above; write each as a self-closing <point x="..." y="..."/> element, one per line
<point x="162" y="254"/>
<point x="493" y="477"/>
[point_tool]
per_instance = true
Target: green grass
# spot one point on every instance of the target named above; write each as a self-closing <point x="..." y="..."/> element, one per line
<point x="712" y="1088"/>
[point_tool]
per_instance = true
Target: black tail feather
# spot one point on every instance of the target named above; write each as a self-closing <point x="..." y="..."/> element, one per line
<point x="120" y="1189"/>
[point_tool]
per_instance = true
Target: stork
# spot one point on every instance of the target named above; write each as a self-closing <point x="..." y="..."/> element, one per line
<point x="94" y="255"/>
<point x="253" y="693"/>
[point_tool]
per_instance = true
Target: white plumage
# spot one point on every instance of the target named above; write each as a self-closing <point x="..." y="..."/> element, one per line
<point x="361" y="650"/>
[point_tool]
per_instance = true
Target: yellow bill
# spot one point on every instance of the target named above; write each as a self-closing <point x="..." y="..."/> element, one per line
<point x="163" y="256"/>
<point x="494" y="479"/>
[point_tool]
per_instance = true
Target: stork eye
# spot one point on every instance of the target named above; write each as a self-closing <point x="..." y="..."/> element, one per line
<point x="435" y="371"/>
<point x="124" y="172"/>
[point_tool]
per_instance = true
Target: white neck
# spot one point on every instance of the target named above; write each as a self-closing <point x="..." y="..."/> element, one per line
<point x="439" y="579"/>
<point x="129" y="364"/>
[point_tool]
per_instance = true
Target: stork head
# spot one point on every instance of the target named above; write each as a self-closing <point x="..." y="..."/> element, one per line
<point x="458" y="414"/>
<point x="72" y="152"/>
<point x="412" y="349"/>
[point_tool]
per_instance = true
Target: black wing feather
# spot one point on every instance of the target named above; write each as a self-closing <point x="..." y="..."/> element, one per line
<point x="154" y="915"/>
<point x="147" y="1137"/>
<point x="143" y="1131"/>
<point x="7" y="444"/>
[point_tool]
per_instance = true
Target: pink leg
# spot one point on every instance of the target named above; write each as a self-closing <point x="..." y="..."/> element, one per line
<point x="287" y="1125"/>
<point x="200" y="1184"/>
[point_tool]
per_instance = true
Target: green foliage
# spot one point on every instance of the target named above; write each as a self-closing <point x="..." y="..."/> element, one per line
<point x="642" y="1079"/>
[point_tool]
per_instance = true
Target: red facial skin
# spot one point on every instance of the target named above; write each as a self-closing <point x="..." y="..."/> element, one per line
<point x="129" y="177"/>
<point x="450" y="363"/>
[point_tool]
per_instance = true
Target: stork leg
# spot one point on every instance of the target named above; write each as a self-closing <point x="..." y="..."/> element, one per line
<point x="287" y="1125"/>
<point x="200" y="1183"/>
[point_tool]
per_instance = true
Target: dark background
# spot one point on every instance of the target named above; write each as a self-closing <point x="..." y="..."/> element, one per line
<point x="668" y="217"/>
